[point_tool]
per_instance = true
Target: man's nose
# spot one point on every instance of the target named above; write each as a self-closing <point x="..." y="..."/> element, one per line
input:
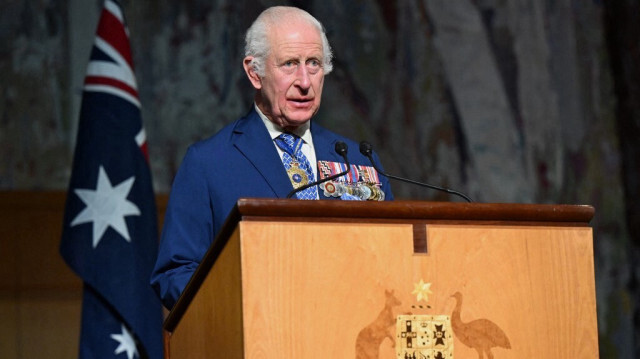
<point x="302" y="77"/>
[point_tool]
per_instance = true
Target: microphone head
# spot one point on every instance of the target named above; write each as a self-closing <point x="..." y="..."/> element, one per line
<point x="366" y="148"/>
<point x="341" y="148"/>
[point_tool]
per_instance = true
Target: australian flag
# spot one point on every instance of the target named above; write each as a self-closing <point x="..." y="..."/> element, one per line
<point x="110" y="229"/>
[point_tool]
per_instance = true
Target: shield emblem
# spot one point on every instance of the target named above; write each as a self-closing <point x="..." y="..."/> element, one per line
<point x="424" y="337"/>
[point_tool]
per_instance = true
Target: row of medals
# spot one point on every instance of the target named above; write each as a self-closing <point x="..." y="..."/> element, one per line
<point x="364" y="191"/>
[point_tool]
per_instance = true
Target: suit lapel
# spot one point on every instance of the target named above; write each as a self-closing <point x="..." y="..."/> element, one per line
<point x="324" y="144"/>
<point x="252" y="139"/>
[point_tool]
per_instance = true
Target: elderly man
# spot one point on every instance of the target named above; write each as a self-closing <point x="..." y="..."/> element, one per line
<point x="269" y="152"/>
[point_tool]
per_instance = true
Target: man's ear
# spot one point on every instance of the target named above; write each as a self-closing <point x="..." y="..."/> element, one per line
<point x="251" y="73"/>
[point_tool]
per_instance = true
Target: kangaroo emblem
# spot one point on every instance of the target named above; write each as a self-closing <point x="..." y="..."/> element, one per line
<point x="369" y="339"/>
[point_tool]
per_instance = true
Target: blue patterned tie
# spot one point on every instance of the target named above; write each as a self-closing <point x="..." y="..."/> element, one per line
<point x="297" y="165"/>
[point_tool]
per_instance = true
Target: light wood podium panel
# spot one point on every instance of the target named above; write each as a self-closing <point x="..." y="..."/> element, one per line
<point x="288" y="283"/>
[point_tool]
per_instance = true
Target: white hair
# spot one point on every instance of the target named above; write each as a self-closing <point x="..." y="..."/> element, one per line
<point x="257" y="41"/>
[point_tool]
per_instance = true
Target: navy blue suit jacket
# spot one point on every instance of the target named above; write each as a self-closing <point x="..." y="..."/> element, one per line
<point x="239" y="161"/>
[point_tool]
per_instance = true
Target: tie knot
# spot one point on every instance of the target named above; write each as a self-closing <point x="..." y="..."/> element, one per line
<point x="289" y="142"/>
<point x="289" y="137"/>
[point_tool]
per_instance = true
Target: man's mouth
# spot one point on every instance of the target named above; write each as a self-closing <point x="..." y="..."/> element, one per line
<point x="301" y="102"/>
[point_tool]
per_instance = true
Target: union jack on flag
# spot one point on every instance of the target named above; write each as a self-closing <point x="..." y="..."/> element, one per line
<point x="109" y="235"/>
<point x="110" y="67"/>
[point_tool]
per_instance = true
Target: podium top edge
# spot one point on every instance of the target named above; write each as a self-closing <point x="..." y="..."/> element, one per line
<point x="247" y="208"/>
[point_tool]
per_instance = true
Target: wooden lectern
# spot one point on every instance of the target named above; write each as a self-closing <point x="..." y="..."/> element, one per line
<point x="402" y="279"/>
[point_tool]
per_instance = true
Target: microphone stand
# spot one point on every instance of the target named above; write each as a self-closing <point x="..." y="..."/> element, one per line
<point x="366" y="150"/>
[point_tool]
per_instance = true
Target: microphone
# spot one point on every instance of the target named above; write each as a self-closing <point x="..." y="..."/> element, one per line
<point x="366" y="149"/>
<point x="341" y="149"/>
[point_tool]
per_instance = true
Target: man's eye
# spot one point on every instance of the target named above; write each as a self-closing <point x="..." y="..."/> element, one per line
<point x="314" y="66"/>
<point x="289" y="64"/>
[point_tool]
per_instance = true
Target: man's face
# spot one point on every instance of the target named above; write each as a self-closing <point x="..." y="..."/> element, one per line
<point x="290" y="92"/>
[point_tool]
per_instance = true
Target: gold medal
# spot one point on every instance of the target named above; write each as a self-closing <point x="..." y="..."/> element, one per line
<point x="297" y="175"/>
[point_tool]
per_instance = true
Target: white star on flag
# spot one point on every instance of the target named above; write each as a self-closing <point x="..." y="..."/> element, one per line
<point x="126" y="343"/>
<point x="106" y="207"/>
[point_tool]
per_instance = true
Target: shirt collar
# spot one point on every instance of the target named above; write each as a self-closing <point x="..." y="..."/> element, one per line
<point x="303" y="131"/>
